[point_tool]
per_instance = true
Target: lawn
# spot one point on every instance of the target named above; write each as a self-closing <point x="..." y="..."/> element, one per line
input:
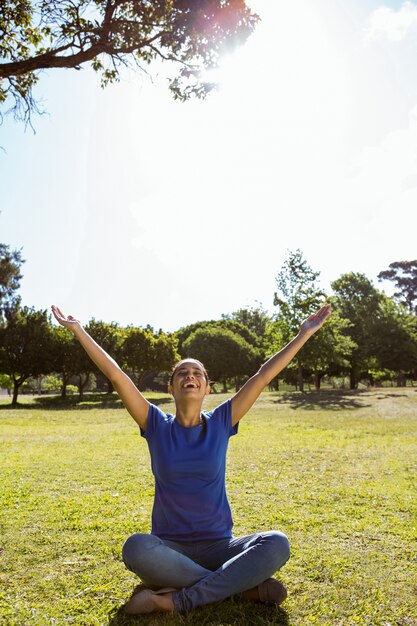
<point x="335" y="471"/>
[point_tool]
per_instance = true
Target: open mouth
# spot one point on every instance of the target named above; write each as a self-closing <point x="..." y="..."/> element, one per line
<point x="190" y="386"/>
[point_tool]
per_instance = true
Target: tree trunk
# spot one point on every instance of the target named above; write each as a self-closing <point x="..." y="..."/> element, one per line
<point x="139" y="378"/>
<point x="317" y="380"/>
<point x="64" y="386"/>
<point x="401" y="380"/>
<point x="39" y="384"/>
<point x="82" y="384"/>
<point x="352" y="379"/>
<point x="238" y="383"/>
<point x="300" y="377"/>
<point x="274" y="384"/>
<point x="110" y="387"/>
<point x="16" y="385"/>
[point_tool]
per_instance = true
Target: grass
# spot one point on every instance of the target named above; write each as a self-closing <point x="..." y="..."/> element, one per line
<point x="335" y="471"/>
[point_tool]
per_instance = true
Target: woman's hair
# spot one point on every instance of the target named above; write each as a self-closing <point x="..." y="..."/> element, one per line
<point x="177" y="365"/>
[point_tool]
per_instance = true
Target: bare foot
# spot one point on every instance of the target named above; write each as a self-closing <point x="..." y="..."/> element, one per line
<point x="163" y="602"/>
<point x="147" y="602"/>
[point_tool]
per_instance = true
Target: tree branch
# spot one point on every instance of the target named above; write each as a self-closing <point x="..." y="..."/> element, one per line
<point x="51" y="60"/>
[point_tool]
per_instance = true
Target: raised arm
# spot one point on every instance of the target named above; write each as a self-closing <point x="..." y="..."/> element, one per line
<point x="131" y="397"/>
<point x="246" y="396"/>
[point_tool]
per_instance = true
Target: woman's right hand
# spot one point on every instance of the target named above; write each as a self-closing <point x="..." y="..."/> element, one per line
<point x="67" y="321"/>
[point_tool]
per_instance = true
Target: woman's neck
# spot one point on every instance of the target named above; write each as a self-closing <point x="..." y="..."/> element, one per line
<point x="188" y="414"/>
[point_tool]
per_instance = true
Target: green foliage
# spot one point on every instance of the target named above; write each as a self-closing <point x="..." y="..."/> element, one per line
<point x="224" y="353"/>
<point x="10" y="276"/>
<point x="81" y="365"/>
<point x="383" y="332"/>
<point x="298" y="295"/>
<point x="143" y="351"/>
<point x="26" y="346"/>
<point x="358" y="301"/>
<point x="63" y="351"/>
<point x="136" y="349"/>
<point x="396" y="345"/>
<point x="328" y="350"/>
<point x="51" y="383"/>
<point x="356" y="297"/>
<point x="165" y="352"/>
<point x="227" y="322"/>
<point x="368" y="335"/>
<point x="110" y="337"/>
<point x="404" y="275"/>
<point x="6" y="381"/>
<point x="254" y="319"/>
<point x="110" y="34"/>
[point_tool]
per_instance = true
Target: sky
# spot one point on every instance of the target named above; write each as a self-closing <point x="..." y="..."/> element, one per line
<point x="131" y="207"/>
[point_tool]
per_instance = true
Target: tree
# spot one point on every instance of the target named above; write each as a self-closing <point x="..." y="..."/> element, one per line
<point x="26" y="347"/>
<point x="165" y="352"/>
<point x="404" y="275"/>
<point x="324" y="354"/>
<point x="358" y="301"/>
<point x="224" y="353"/>
<point x="111" y="34"/>
<point x="110" y="337"/>
<point x="82" y="367"/>
<point x="226" y="323"/>
<point x="255" y="319"/>
<point x="329" y="350"/>
<point x="10" y="263"/>
<point x="297" y="297"/>
<point x="71" y="360"/>
<point x="64" y="356"/>
<point x="396" y="349"/>
<point x="144" y="351"/>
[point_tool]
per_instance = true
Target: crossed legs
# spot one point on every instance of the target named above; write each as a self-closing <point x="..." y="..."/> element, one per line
<point x="206" y="571"/>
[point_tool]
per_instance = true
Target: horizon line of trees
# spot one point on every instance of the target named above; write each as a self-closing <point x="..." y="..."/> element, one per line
<point x="369" y="337"/>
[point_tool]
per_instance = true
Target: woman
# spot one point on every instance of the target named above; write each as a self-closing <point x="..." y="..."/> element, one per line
<point x="191" y="557"/>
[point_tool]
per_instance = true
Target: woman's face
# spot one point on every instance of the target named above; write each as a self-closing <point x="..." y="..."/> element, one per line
<point x="189" y="379"/>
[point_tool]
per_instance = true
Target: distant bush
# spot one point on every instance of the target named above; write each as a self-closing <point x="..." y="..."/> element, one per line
<point x="51" y="383"/>
<point x="5" y="382"/>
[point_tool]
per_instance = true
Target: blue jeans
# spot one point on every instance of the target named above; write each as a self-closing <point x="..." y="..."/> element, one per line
<point x="205" y="571"/>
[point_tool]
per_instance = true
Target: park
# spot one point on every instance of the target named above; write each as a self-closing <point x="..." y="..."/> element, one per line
<point x="337" y="473"/>
<point x="208" y="214"/>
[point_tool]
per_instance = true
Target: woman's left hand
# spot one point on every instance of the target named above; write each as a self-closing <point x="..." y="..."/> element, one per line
<point x="316" y="320"/>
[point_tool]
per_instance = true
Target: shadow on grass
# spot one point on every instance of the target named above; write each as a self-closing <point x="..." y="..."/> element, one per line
<point x="334" y="400"/>
<point x="90" y="401"/>
<point x="227" y="613"/>
<point x="391" y="395"/>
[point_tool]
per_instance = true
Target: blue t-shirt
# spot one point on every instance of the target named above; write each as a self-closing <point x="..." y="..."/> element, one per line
<point x="189" y="465"/>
